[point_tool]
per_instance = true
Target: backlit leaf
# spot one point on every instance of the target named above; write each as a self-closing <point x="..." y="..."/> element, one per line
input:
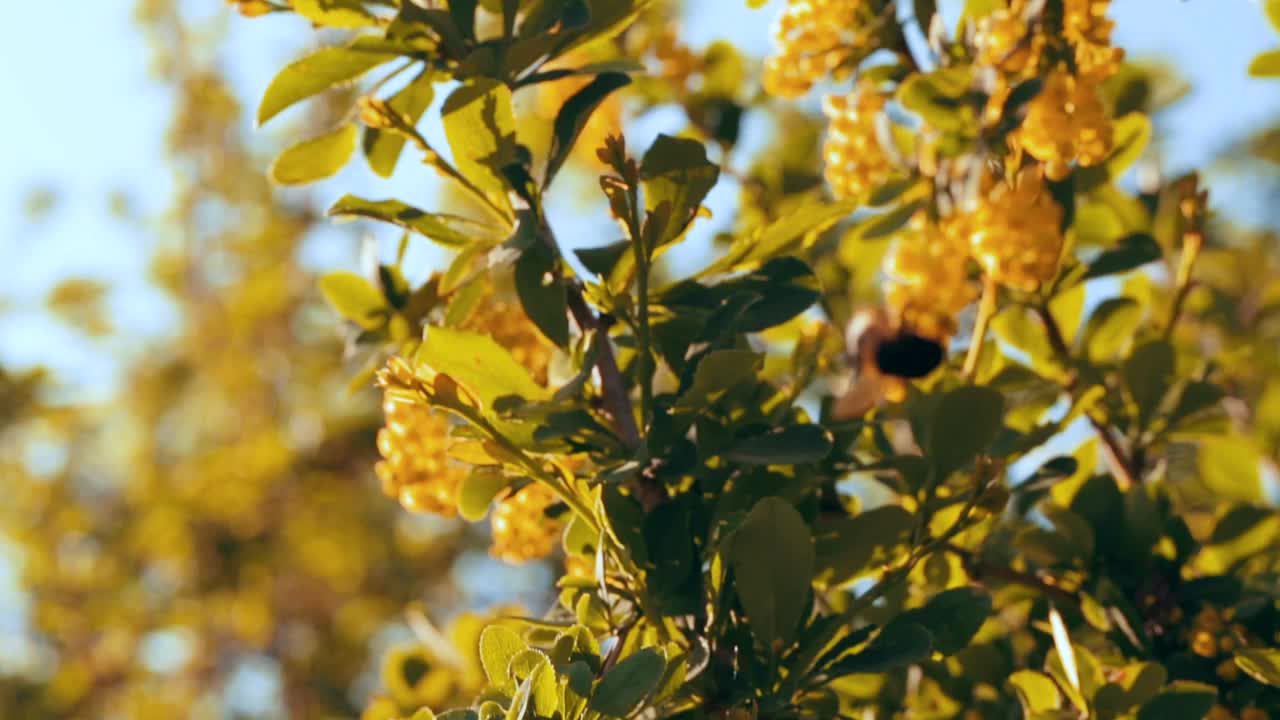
<point x="478" y="363"/>
<point x="315" y="159"/>
<point x="314" y="74"/>
<point x="355" y="298"/>
<point x="1265" y="65"/>
<point x="448" y="230"/>
<point x="382" y="148"/>
<point x="481" y="127"/>
<point x="1262" y="664"/>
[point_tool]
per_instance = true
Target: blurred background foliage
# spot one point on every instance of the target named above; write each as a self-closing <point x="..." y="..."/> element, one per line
<point x="206" y="538"/>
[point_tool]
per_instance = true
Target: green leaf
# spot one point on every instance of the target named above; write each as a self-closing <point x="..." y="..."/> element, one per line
<point x="952" y="617"/>
<point x="573" y="116"/>
<point x="538" y="689"/>
<point x="1262" y="664"/>
<point x="1067" y="309"/>
<point x="601" y="260"/>
<point x="791" y="445"/>
<point x="382" y="148"/>
<point x="1036" y="691"/>
<point x="1180" y="701"/>
<point x="498" y="645"/>
<point x="1198" y="395"/>
<point x="478" y="490"/>
<point x="450" y="231"/>
<point x="964" y="425"/>
<point x="718" y="371"/>
<point x="629" y="683"/>
<point x="481" y="127"/>
<point x="1019" y="327"/>
<point x="848" y="548"/>
<point x="1131" y="253"/>
<point x="315" y="159"/>
<point x="1266" y="64"/>
<point x="937" y="97"/>
<point x="463" y="13"/>
<point x="580" y="678"/>
<point x="886" y="223"/>
<point x="1141" y="683"/>
<point x="542" y="292"/>
<point x="787" y="234"/>
<point x="335" y="13"/>
<point x="479" y="364"/>
<point x="773" y="559"/>
<point x="314" y="74"/>
<point x="676" y="171"/>
<point x="1111" y="328"/>
<point x="1230" y="467"/>
<point x="1130" y="137"/>
<point x="355" y="299"/>
<point x="898" y="645"/>
<point x="1148" y="371"/>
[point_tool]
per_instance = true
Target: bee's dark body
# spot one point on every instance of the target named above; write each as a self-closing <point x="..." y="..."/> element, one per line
<point x="908" y="355"/>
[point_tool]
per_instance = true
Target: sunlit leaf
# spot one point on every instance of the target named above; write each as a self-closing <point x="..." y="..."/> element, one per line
<point x="1266" y="65"/>
<point x="355" y="298"/>
<point x="1262" y="664"/>
<point x="316" y="73"/>
<point x="335" y="13"/>
<point x="479" y="364"/>
<point x="481" y="127"/>
<point x="382" y="148"/>
<point x="448" y="230"/>
<point x="315" y="159"/>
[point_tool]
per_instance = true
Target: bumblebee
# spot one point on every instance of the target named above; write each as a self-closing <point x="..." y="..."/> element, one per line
<point x="885" y="356"/>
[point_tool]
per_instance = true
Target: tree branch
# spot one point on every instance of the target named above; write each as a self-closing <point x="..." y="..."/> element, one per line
<point x="979" y="568"/>
<point x="617" y="402"/>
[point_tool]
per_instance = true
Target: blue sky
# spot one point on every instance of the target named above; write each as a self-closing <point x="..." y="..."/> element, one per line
<point x="85" y="119"/>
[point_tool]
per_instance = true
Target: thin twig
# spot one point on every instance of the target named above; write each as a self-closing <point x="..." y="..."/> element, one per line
<point x="1192" y="242"/>
<point x="979" y="568"/>
<point x="616" y="400"/>
<point x="1115" y="455"/>
<point x="986" y="311"/>
<point x="645" y="359"/>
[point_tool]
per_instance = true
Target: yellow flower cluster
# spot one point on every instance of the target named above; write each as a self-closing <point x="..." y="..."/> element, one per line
<point x="415" y="467"/>
<point x="1086" y="26"/>
<point x="1016" y="233"/>
<point x="1214" y="635"/>
<point x="927" y="280"/>
<point x="522" y="529"/>
<point x="1066" y="122"/>
<point x="855" y="160"/>
<point x="1004" y="40"/>
<point x="811" y="39"/>
<point x="512" y="329"/>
